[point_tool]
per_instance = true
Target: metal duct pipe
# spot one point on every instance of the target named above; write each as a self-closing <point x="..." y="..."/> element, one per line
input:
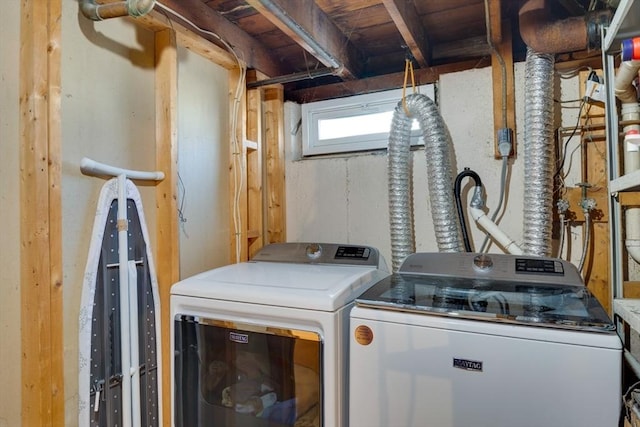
<point x="318" y="50"/>
<point x="538" y="154"/>
<point x="566" y="35"/>
<point x="99" y="12"/>
<point x="439" y="152"/>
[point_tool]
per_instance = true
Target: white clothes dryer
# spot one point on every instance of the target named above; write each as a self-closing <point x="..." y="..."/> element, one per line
<point x="264" y="343"/>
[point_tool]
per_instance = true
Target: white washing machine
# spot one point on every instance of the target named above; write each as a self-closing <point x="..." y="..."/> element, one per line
<point x="462" y="340"/>
<point x="264" y="343"/>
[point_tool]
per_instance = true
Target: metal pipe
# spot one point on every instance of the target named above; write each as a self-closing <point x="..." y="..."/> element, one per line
<point x="295" y="77"/>
<point x="538" y="154"/>
<point x="439" y="153"/>
<point x="99" y="12"/>
<point x="543" y="35"/>
<point x="318" y="50"/>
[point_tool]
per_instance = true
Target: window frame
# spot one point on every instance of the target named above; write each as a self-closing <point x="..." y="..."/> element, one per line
<point x="352" y="106"/>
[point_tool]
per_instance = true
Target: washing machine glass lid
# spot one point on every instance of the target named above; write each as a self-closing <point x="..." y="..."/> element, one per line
<point x="540" y="304"/>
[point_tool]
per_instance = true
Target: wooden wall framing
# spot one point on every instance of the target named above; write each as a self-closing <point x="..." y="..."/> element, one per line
<point x="257" y="170"/>
<point x="41" y="215"/>
<point x="40" y="193"/>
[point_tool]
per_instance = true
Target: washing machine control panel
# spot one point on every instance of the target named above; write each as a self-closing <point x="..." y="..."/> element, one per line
<point x="539" y="266"/>
<point x="494" y="266"/>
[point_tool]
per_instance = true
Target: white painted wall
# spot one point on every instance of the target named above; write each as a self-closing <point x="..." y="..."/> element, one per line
<point x="108" y="114"/>
<point x="203" y="156"/>
<point x="9" y="218"/>
<point x="344" y="198"/>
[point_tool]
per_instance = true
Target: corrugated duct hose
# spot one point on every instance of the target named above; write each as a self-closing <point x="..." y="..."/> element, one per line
<point x="538" y="154"/>
<point x="439" y="153"/>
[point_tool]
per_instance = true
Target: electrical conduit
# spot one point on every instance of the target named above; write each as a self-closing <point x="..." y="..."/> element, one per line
<point x="630" y="111"/>
<point x="439" y="153"/>
<point x="99" y="12"/>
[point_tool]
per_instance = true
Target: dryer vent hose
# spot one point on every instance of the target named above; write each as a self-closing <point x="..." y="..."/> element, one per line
<point x="538" y="154"/>
<point x="439" y="154"/>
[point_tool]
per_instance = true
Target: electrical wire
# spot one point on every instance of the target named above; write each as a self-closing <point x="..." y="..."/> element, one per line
<point x="566" y="143"/>
<point x="236" y="146"/>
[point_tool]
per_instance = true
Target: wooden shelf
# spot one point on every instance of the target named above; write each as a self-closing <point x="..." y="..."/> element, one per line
<point x="625" y="24"/>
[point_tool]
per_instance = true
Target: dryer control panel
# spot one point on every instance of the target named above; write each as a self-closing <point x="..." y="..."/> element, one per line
<point x="320" y="253"/>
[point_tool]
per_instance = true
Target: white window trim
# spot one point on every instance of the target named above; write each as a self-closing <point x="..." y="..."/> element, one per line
<point x="351" y="106"/>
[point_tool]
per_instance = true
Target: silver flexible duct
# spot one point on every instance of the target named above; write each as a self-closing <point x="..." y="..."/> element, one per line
<point x="538" y="154"/>
<point x="439" y="150"/>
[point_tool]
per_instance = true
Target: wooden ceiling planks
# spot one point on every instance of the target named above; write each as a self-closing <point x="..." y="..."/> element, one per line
<point x="367" y="38"/>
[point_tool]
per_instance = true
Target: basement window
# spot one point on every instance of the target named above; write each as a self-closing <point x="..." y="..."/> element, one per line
<point x="355" y="123"/>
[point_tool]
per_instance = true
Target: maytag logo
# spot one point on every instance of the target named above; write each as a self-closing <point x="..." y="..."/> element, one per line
<point x="239" y="338"/>
<point x="467" y="365"/>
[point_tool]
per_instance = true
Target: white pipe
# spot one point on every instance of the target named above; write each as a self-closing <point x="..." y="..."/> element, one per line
<point x="492" y="230"/>
<point x="91" y="167"/>
<point x="134" y="364"/>
<point x="623" y="88"/>
<point x="123" y="260"/>
<point x="630" y="110"/>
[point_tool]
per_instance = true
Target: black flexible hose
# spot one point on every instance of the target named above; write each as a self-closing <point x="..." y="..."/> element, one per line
<point x="456" y="190"/>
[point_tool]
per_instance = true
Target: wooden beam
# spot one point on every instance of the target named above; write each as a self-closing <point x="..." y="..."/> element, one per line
<point x="472" y="47"/>
<point x="406" y="18"/>
<point x="237" y="170"/>
<point x="631" y="289"/>
<point x="376" y="84"/>
<point x="42" y="366"/>
<point x="596" y="265"/>
<point x="314" y="31"/>
<point x="250" y="50"/>
<point x="255" y="205"/>
<point x="274" y="143"/>
<point x="504" y="92"/>
<point x="187" y="37"/>
<point x="495" y="20"/>
<point x="629" y="199"/>
<point x="167" y="251"/>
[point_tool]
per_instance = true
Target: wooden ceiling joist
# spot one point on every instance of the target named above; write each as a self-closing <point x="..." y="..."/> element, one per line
<point x="307" y="25"/>
<point x="405" y="16"/>
<point x="495" y="21"/>
<point x="378" y="83"/>
<point x="250" y="50"/>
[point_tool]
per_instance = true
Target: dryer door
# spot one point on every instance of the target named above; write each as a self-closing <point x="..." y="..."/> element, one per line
<point x="231" y="374"/>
